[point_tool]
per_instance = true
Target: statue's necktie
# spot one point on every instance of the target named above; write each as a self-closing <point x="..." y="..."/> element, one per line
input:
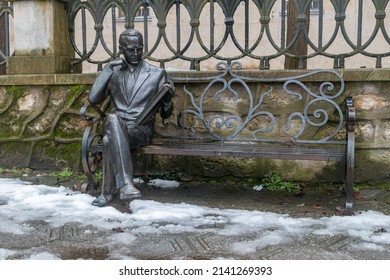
<point x="130" y="83"/>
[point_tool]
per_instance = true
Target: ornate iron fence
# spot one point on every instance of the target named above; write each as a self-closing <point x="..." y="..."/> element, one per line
<point x="195" y="31"/>
<point x="5" y="13"/>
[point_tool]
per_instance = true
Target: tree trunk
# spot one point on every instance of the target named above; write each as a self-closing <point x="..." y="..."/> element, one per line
<point x="300" y="45"/>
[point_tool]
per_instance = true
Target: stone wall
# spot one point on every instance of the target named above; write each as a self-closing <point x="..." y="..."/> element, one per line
<point x="40" y="128"/>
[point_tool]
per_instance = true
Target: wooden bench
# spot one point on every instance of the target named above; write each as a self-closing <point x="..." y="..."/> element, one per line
<point x="287" y="118"/>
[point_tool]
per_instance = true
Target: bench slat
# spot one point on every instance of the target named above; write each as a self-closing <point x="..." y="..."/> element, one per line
<point x="248" y="151"/>
<point x="284" y="119"/>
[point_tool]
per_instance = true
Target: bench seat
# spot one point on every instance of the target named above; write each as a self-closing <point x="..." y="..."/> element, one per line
<point x="286" y="118"/>
<point x="335" y="153"/>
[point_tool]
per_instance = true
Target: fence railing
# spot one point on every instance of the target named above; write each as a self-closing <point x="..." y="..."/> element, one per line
<point x="194" y="34"/>
<point x="195" y="31"/>
<point x="5" y="13"/>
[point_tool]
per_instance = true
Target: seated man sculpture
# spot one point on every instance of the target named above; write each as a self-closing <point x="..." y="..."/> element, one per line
<point x="132" y="84"/>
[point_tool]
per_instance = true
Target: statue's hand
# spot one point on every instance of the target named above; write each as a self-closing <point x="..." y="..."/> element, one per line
<point x="170" y="94"/>
<point x="115" y="62"/>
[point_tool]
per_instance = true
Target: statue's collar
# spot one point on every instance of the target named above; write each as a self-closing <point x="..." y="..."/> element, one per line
<point x="131" y="68"/>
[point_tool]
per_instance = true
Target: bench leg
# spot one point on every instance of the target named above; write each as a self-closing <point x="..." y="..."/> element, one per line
<point x="349" y="187"/>
<point x="349" y="180"/>
<point x="90" y="160"/>
<point x="350" y="164"/>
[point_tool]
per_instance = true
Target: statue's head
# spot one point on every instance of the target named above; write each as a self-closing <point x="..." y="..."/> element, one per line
<point x="131" y="44"/>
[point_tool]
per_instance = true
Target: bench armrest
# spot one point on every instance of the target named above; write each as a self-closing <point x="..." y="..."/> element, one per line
<point x="91" y="119"/>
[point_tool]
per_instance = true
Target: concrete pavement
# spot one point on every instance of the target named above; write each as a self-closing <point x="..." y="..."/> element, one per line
<point x="78" y="241"/>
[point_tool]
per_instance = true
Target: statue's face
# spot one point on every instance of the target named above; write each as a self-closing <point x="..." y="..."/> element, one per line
<point x="132" y="48"/>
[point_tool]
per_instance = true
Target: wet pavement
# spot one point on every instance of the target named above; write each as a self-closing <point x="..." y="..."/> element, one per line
<point x="78" y="241"/>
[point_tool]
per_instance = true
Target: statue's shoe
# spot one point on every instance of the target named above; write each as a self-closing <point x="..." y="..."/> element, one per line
<point x="102" y="200"/>
<point x="129" y="192"/>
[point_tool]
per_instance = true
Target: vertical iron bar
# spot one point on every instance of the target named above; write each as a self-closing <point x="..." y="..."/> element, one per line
<point x="3" y="39"/>
<point x="114" y="46"/>
<point x="360" y="20"/>
<point x="7" y="37"/>
<point x="212" y="25"/>
<point x="127" y="16"/>
<point x="246" y="25"/>
<point x="84" y="30"/>
<point x="320" y="23"/>
<point x="283" y="26"/>
<point x="178" y="25"/>
<point x="378" y="62"/>
<point x="146" y="27"/>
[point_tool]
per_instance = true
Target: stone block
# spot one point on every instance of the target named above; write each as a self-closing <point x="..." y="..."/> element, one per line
<point x="38" y="64"/>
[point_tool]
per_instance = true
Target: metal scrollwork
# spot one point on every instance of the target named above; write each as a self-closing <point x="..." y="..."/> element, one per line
<point x="225" y="92"/>
<point x="180" y="26"/>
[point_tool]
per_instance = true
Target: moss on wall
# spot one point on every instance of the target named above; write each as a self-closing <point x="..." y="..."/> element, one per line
<point x="40" y="128"/>
<point x="15" y="154"/>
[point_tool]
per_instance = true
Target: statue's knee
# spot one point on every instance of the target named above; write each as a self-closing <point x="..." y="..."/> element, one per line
<point x="113" y="124"/>
<point x="111" y="120"/>
<point x="105" y="141"/>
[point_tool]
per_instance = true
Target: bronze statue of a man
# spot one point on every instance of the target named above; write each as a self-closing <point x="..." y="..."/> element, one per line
<point x="131" y="83"/>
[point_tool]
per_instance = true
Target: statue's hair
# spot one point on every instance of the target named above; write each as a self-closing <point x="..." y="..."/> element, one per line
<point x="131" y="33"/>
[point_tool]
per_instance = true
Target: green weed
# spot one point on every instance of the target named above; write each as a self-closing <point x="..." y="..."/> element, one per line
<point x="99" y="175"/>
<point x="67" y="172"/>
<point x="275" y="182"/>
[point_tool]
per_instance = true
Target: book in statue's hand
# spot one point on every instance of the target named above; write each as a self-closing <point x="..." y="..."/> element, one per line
<point x="153" y="104"/>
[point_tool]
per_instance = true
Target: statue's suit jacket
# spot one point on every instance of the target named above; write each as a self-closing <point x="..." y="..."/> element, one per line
<point x="128" y="97"/>
<point x="112" y="82"/>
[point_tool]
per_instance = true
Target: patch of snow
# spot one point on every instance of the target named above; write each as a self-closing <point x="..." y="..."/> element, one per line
<point x="4" y="253"/>
<point x="258" y="188"/>
<point x="27" y="202"/>
<point x="164" y="184"/>
<point x="43" y="256"/>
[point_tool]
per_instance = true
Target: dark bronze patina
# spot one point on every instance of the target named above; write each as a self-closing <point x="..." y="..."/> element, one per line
<point x="229" y="119"/>
<point x="137" y="91"/>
